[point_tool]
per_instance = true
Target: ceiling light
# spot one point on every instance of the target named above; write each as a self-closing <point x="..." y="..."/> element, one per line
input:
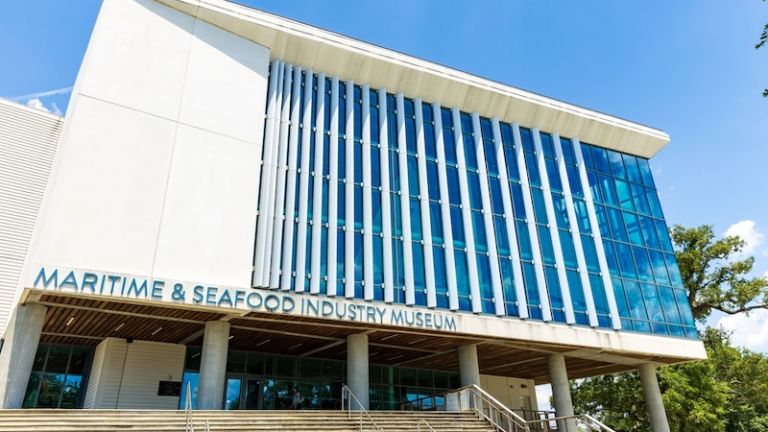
<point x="119" y="326"/>
<point x="265" y="341"/>
<point x="157" y="331"/>
<point x="69" y="321"/>
<point x="392" y="336"/>
<point x="395" y="357"/>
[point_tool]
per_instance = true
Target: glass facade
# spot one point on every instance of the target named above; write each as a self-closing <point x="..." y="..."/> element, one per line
<point x="59" y="375"/>
<point x="257" y="380"/>
<point x="415" y="186"/>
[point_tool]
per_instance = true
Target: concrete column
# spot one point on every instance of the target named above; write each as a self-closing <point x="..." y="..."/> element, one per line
<point x="213" y="366"/>
<point x="357" y="369"/>
<point x="652" y="395"/>
<point x="469" y="370"/>
<point x="18" y="353"/>
<point x="561" y="391"/>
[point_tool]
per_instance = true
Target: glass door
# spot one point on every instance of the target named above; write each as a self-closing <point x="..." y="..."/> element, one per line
<point x="242" y="392"/>
<point x="252" y="394"/>
<point x="232" y="393"/>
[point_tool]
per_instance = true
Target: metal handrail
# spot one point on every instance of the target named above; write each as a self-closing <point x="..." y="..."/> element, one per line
<point x="545" y="424"/>
<point x="508" y="420"/>
<point x="189" y="427"/>
<point x="346" y="390"/>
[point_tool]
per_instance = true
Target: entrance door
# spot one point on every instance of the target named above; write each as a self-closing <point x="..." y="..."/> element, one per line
<point x="242" y="393"/>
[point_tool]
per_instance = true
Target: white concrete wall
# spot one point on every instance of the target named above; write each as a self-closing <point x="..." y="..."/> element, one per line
<point x="510" y="391"/>
<point x="28" y="140"/>
<point x="157" y="169"/>
<point x="126" y="375"/>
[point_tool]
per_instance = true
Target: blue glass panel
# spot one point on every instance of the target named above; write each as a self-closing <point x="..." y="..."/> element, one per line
<point x="659" y="268"/>
<point x="653" y="202"/>
<point x="358" y="257"/>
<point x="684" y="307"/>
<point x="513" y="171"/>
<point x="506" y="134"/>
<point x="340" y="255"/>
<point x="610" y="257"/>
<point x="633" y="229"/>
<point x="616" y="221"/>
<point x="392" y="128"/>
<point x="534" y="178"/>
<point x="598" y="294"/>
<point x="594" y="187"/>
<point x="416" y="233"/>
<point x="457" y="228"/>
<point x="626" y="263"/>
<point x="324" y="252"/>
<point x="569" y="251"/>
<point x="410" y="135"/>
<point x="674" y="272"/>
<point x="645" y="172"/>
<point x="600" y="159"/>
<point x="608" y="191"/>
<point x="602" y="221"/>
<point x="441" y="284"/>
<point x="547" y="146"/>
<point x="449" y="143"/>
<point x="633" y="171"/>
<point x="413" y="176"/>
<point x="524" y="240"/>
<point x="668" y="304"/>
<point x="358" y="207"/>
<point x="429" y="139"/>
<point x="436" y="222"/>
<point x="617" y="164"/>
<point x="324" y="212"/>
<point x="574" y="181"/>
<point x="652" y="302"/>
<point x="508" y="286"/>
<point x="358" y="114"/>
<point x="394" y="172"/>
<point x="399" y="273"/>
<point x="644" y="269"/>
<point x="378" y="260"/>
<point x="587" y="154"/>
<point x="639" y="199"/>
<point x="376" y="210"/>
<point x="419" y="282"/>
<point x="397" y="217"/>
<point x="375" y="167"/>
<point x="561" y="212"/>
<point x="635" y="299"/>
<point x="648" y="227"/>
<point x="485" y="282"/>
<point x="502" y="240"/>
<point x="539" y="207"/>
<point x="490" y="157"/>
<point x="409" y="108"/>
<point x="310" y="197"/>
<point x="373" y="99"/>
<point x="664" y="239"/>
<point x="342" y="170"/>
<point x="545" y="240"/>
<point x="531" y="291"/>
<point x="568" y="155"/>
<point x="582" y="216"/>
<point x="625" y="196"/>
<point x="553" y="175"/>
<point x="527" y="138"/>
<point x="462" y="275"/>
<point x="475" y="197"/>
<point x="555" y="296"/>
<point x="497" y="202"/>
<point x="621" y="298"/>
<point x="577" y="297"/>
<point x="478" y="227"/>
<point x="518" y="204"/>
<point x="454" y="193"/>
<point x="433" y="181"/>
<point x="358" y="162"/>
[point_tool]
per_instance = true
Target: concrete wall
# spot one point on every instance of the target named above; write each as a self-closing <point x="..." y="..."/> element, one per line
<point x="126" y="375"/>
<point x="157" y="171"/>
<point x="28" y="140"/>
<point x="512" y="392"/>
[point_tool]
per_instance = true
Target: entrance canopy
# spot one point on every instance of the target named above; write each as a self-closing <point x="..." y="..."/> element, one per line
<point x="80" y="320"/>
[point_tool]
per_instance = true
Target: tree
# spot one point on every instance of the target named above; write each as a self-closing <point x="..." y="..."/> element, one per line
<point x="728" y="392"/>
<point x="761" y="43"/>
<point x="714" y="275"/>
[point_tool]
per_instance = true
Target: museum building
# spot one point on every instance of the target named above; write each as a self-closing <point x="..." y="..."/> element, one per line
<point x="241" y="204"/>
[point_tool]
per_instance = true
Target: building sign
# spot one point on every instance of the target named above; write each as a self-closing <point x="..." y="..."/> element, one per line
<point x="248" y="299"/>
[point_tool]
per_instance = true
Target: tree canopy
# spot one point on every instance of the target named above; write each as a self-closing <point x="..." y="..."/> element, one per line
<point x="728" y="392"/>
<point x="761" y="43"/>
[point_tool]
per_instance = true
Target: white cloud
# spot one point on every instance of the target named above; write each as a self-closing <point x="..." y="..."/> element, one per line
<point x="36" y="103"/>
<point x="747" y="230"/>
<point x="748" y="331"/>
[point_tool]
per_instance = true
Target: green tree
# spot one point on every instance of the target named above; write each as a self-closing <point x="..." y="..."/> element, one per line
<point x="728" y="392"/>
<point x="761" y="43"/>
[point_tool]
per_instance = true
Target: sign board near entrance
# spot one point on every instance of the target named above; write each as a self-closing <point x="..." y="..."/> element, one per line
<point x="163" y="291"/>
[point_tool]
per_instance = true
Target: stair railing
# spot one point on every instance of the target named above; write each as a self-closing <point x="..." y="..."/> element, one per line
<point x="581" y="423"/>
<point x="348" y="397"/>
<point x="485" y="406"/>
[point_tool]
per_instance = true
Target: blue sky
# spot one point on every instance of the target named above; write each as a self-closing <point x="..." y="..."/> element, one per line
<point x="687" y="67"/>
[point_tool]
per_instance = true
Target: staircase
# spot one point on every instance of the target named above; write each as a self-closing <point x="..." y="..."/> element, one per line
<point x="41" y="420"/>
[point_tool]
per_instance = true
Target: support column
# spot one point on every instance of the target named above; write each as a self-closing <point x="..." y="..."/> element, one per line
<point x="652" y="395"/>
<point x="469" y="370"/>
<point x="357" y="369"/>
<point x="561" y="392"/>
<point x="18" y="353"/>
<point x="213" y="366"/>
